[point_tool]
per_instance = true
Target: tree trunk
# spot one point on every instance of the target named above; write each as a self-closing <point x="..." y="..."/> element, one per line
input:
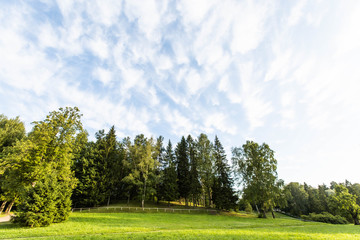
<point x="264" y="213"/>
<point x="128" y="200"/>
<point x="2" y="206"/>
<point x="108" y="202"/>
<point x="209" y="197"/>
<point x="186" y="202"/>
<point x="9" y="207"/>
<point x="143" y="197"/>
<point x="356" y="219"/>
<point x="257" y="209"/>
<point x="168" y="203"/>
<point x="272" y="212"/>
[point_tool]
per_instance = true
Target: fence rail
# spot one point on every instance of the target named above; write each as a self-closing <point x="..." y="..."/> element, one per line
<point x="137" y="209"/>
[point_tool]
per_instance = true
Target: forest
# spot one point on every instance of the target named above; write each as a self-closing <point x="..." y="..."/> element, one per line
<point x="55" y="167"/>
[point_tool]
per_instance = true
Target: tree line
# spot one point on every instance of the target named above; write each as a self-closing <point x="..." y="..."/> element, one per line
<point x="55" y="167"/>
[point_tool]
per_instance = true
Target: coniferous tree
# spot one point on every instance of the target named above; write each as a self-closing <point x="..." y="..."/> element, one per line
<point x="87" y="192"/>
<point x="159" y="155"/>
<point x="169" y="187"/>
<point x="223" y="193"/>
<point x="110" y="155"/>
<point x="183" y="170"/>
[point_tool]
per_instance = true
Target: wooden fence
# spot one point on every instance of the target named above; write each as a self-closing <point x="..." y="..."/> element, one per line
<point x="140" y="209"/>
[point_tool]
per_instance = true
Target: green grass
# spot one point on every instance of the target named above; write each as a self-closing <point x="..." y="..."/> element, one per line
<point x="179" y="226"/>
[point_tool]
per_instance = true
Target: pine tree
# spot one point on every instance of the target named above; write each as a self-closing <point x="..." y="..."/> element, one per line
<point x="223" y="193"/>
<point x="183" y="170"/>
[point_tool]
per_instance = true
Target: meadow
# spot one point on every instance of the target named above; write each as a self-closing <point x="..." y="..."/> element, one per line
<point x="179" y="226"/>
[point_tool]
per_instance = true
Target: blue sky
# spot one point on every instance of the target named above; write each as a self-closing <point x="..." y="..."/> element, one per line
<point x="282" y="72"/>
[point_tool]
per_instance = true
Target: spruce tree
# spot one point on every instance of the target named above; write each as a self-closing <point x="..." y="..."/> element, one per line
<point x="86" y="193"/>
<point x="223" y="193"/>
<point x="169" y="187"/>
<point x="183" y="169"/>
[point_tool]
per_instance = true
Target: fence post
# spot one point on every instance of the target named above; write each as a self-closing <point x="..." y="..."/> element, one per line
<point x="80" y="209"/>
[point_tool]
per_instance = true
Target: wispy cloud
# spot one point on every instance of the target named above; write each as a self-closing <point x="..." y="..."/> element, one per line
<point x="281" y="72"/>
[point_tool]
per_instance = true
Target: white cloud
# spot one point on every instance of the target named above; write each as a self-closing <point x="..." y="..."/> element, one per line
<point x="296" y="13"/>
<point x="180" y="125"/>
<point x="193" y="12"/>
<point x="220" y="122"/>
<point x="148" y="15"/>
<point x="99" y="46"/>
<point x="248" y="26"/>
<point x="105" y="12"/>
<point x="348" y="37"/>
<point x="103" y="75"/>
<point x="256" y="108"/>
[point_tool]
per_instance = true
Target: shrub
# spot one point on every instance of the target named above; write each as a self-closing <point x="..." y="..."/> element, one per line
<point x="325" y="217"/>
<point x="248" y="208"/>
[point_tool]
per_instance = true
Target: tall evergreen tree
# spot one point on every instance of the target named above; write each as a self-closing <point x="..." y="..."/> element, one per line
<point x="223" y="193"/>
<point x="183" y="170"/>
<point x="159" y="156"/>
<point x="111" y="161"/>
<point x="87" y="192"/>
<point x="168" y="186"/>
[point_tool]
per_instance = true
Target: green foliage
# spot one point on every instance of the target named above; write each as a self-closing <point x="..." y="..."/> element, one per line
<point x="257" y="167"/>
<point x="195" y="185"/>
<point x="48" y="153"/>
<point x="248" y="208"/>
<point x="206" y="166"/>
<point x="346" y="203"/>
<point x="297" y="199"/>
<point x="168" y="186"/>
<point x="142" y="167"/>
<point x="325" y="217"/>
<point x="183" y="169"/>
<point x="223" y="193"/>
<point x="39" y="204"/>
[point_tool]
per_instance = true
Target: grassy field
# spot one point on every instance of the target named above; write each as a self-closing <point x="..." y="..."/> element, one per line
<point x="179" y="226"/>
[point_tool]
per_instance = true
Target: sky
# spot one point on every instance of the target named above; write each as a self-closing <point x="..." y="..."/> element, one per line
<point x="285" y="73"/>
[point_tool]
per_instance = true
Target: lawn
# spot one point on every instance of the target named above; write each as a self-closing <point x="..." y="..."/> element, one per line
<point x="179" y="226"/>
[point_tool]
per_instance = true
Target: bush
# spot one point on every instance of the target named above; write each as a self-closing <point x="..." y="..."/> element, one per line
<point x="248" y="208"/>
<point x="325" y="217"/>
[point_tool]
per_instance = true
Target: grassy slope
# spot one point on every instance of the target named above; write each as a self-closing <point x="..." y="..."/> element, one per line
<point x="179" y="226"/>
